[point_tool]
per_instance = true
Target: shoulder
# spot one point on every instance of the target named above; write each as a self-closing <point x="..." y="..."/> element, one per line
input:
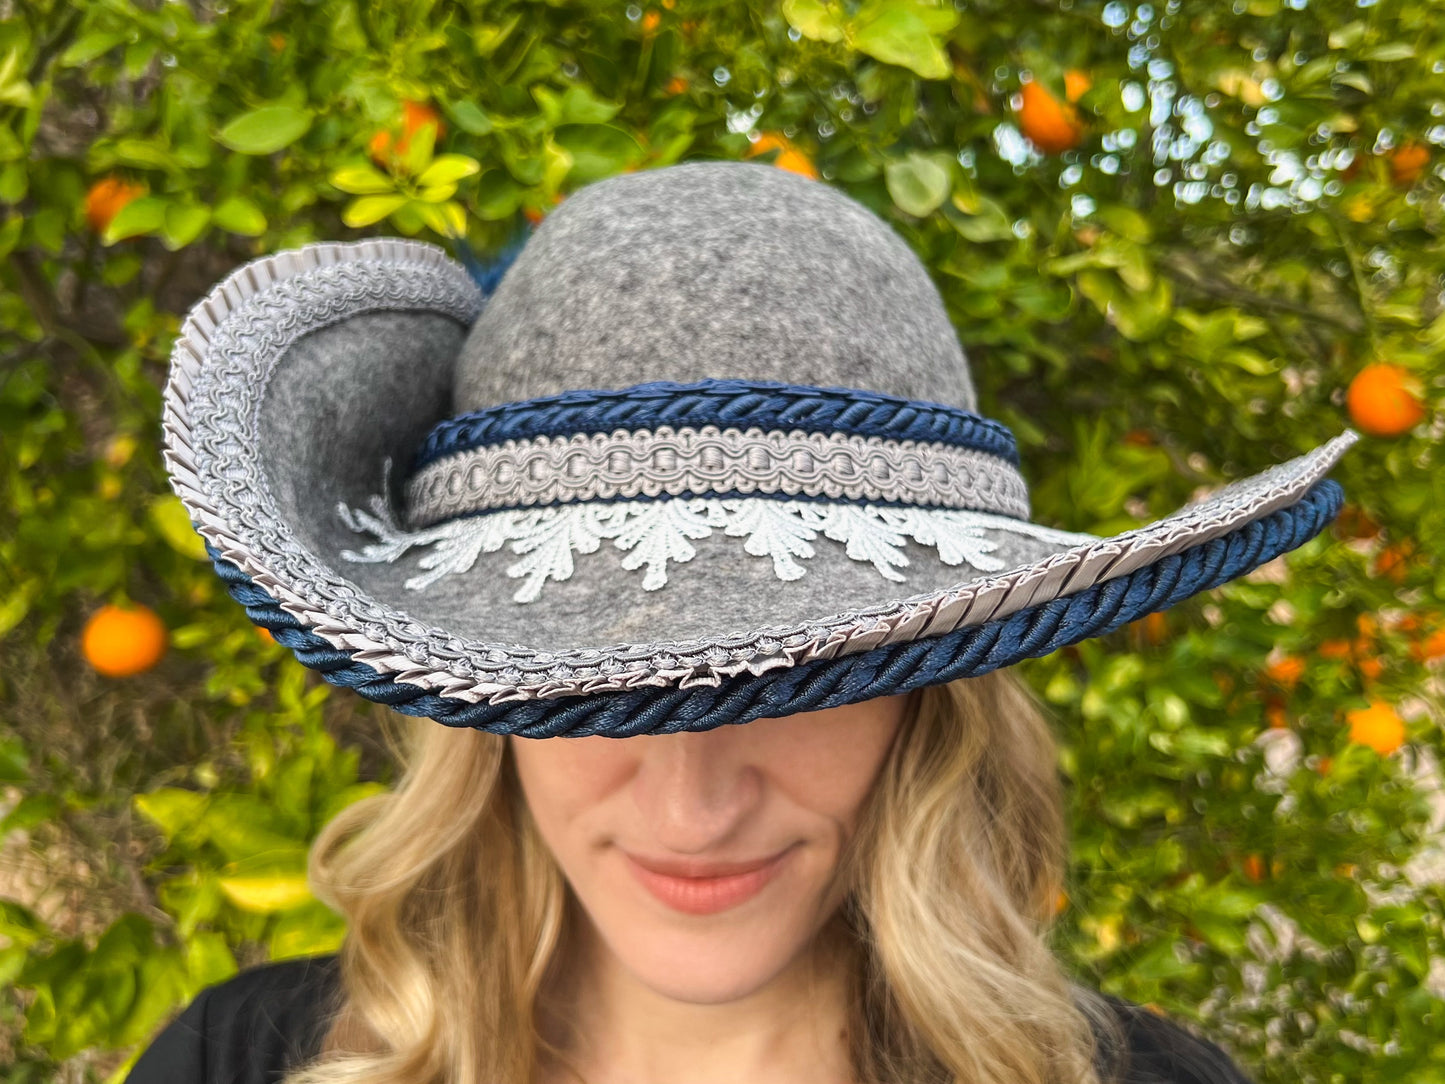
<point x="1165" y="1051"/>
<point x="249" y="1029"/>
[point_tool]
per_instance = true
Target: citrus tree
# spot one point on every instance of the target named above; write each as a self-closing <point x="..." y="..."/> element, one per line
<point x="1180" y="241"/>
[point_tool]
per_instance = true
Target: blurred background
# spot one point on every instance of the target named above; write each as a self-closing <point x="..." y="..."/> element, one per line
<point x="1181" y="241"/>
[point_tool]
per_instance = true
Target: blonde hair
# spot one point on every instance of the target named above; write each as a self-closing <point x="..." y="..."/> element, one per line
<point x="457" y="913"/>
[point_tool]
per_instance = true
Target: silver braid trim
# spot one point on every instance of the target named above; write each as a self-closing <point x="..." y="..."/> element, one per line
<point x="671" y="462"/>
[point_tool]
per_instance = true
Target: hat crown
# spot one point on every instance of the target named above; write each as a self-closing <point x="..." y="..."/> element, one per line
<point x="712" y="270"/>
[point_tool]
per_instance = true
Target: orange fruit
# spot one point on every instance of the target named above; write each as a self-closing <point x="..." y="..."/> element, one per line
<point x="1408" y="162"/>
<point x="1076" y="84"/>
<point x="1430" y="648"/>
<point x="1352" y="522"/>
<point x="1394" y="560"/>
<point x="1376" y="726"/>
<point x="1274" y="712"/>
<point x="414" y="116"/>
<point x="1371" y="668"/>
<point x="1286" y="672"/>
<point x="121" y="641"/>
<point x="1050" y="125"/>
<point x="1151" y="629"/>
<point x="1324" y="765"/>
<point x="1254" y="867"/>
<point x="1061" y="901"/>
<point x="650" y="22"/>
<point x="277" y="42"/>
<point x="676" y="85"/>
<point x="789" y="157"/>
<point x="1384" y="400"/>
<point x="106" y="197"/>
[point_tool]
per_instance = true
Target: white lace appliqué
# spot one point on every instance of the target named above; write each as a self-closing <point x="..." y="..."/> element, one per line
<point x="653" y="532"/>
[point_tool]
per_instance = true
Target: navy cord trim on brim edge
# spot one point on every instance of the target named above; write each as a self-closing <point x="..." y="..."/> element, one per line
<point x="745" y="404"/>
<point x="822" y="683"/>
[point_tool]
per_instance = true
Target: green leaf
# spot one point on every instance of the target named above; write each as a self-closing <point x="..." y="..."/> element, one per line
<point x="577" y="106"/>
<point x="173" y="522"/>
<point x="183" y="224"/>
<point x="1347" y="36"/>
<point x="469" y="117"/>
<point x="16" y="605"/>
<point x="437" y="193"/>
<point x="267" y="893"/>
<point x="918" y="183"/>
<point x="597" y="150"/>
<point x="447" y="219"/>
<point x="1391" y="51"/>
<point x="362" y="180"/>
<point x="1126" y="222"/>
<point x="14" y="761"/>
<point x="209" y="959"/>
<point x="89" y="46"/>
<point x="14" y="183"/>
<point x="983" y="219"/>
<point x="147" y="214"/>
<point x="266" y="130"/>
<point x="31" y="810"/>
<point x="498" y="196"/>
<point x="237" y="214"/>
<point x="448" y="169"/>
<point x="487" y="37"/>
<point x="147" y="153"/>
<point x="419" y="151"/>
<point x="556" y="164"/>
<point x="309" y="930"/>
<point x="370" y="209"/>
<point x="14" y="90"/>
<point x="898" y="36"/>
<point x="171" y="809"/>
<point x="813" y="19"/>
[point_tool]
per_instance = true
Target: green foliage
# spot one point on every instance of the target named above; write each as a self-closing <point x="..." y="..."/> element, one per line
<point x="1181" y="300"/>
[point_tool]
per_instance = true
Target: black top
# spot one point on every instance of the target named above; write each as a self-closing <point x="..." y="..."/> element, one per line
<point x="255" y="1027"/>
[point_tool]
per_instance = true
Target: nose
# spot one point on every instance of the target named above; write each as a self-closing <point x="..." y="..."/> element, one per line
<point x="697" y="789"/>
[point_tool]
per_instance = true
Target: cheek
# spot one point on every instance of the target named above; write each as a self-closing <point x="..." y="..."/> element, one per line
<point x="565" y="779"/>
<point x="828" y="762"/>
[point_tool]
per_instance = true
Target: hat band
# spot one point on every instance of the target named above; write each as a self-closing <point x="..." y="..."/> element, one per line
<point x="709" y="461"/>
<point x="764" y="404"/>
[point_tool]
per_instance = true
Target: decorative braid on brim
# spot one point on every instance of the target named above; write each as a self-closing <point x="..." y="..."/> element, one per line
<point x="745" y="404"/>
<point x="824" y="683"/>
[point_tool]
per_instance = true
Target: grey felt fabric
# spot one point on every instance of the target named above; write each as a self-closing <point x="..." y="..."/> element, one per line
<point x="713" y="269"/>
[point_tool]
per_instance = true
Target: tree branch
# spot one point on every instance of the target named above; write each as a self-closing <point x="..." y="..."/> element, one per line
<point x="1190" y="274"/>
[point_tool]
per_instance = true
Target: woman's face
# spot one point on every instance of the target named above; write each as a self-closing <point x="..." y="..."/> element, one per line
<point x="704" y="859"/>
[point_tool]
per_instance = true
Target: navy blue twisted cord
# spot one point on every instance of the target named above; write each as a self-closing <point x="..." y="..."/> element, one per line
<point x="766" y="404"/>
<point x="823" y="683"/>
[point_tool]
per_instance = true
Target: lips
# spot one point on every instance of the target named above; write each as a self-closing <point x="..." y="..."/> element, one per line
<point x="699" y="887"/>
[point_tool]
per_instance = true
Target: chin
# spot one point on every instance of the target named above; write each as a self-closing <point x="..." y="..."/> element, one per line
<point x="707" y="965"/>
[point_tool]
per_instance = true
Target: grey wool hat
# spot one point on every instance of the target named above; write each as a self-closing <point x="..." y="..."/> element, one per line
<point x="704" y="449"/>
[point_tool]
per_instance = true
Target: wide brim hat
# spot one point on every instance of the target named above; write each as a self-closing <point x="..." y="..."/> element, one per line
<point x="704" y="449"/>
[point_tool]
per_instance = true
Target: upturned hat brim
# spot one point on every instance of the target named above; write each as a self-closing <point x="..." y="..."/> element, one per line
<point x="303" y="375"/>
